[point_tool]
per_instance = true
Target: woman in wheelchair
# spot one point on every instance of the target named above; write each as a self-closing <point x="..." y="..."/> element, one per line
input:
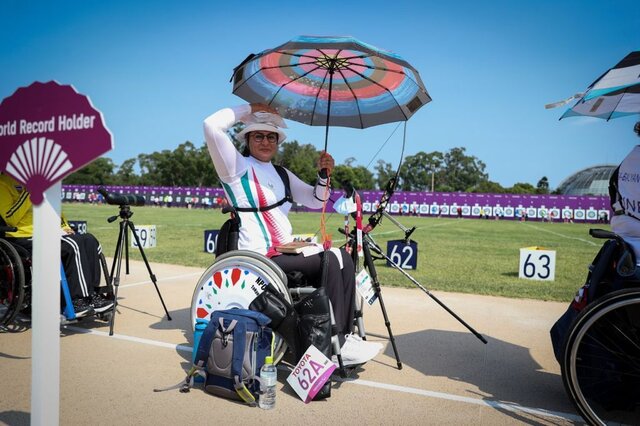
<point x="596" y="339"/>
<point x="262" y="196"/>
<point x="79" y="253"/>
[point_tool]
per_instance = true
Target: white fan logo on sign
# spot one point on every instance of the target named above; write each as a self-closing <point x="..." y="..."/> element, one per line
<point x="39" y="157"/>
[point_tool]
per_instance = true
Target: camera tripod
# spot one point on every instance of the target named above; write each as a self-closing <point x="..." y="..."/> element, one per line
<point x="123" y="245"/>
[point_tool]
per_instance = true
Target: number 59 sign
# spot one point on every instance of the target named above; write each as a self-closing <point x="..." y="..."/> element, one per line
<point x="537" y="263"/>
<point x="146" y="235"/>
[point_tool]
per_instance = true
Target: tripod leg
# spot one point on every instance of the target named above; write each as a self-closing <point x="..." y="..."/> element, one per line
<point x="126" y="248"/>
<point x="146" y="262"/>
<point x="358" y="320"/>
<point x="114" y="276"/>
<point x="368" y="261"/>
<point x="427" y="292"/>
<point x="358" y="317"/>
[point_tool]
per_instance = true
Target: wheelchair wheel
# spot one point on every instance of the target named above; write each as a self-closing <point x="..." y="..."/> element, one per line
<point x="234" y="280"/>
<point x="601" y="365"/>
<point x="12" y="283"/>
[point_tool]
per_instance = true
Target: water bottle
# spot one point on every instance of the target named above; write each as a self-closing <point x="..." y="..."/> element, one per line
<point x="268" y="380"/>
<point x="201" y="324"/>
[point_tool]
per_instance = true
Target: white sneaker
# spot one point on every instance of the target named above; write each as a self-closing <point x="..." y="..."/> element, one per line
<point x="356" y="351"/>
<point x="373" y="348"/>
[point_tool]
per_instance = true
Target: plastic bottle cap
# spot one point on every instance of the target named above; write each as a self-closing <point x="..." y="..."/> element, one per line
<point x="268" y="360"/>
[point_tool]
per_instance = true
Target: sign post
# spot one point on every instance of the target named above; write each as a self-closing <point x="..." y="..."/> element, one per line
<point x="47" y="131"/>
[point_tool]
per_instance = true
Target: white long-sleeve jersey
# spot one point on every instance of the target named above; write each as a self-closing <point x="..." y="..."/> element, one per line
<point x="250" y="183"/>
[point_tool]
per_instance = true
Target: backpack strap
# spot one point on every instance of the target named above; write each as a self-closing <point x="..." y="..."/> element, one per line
<point x="282" y="172"/>
<point x="239" y="342"/>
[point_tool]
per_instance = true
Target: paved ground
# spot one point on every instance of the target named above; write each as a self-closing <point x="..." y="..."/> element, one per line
<point x="449" y="376"/>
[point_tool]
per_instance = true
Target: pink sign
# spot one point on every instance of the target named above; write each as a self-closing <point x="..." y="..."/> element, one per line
<point x="48" y="131"/>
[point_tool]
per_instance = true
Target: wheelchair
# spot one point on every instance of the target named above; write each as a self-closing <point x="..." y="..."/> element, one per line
<point x="15" y="285"/>
<point x="240" y="278"/>
<point x="600" y="354"/>
<point x="236" y="279"/>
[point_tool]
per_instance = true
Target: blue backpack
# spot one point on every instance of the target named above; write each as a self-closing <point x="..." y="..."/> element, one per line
<point x="231" y="351"/>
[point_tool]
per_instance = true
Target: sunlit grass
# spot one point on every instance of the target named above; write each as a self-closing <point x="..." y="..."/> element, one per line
<point x="461" y="255"/>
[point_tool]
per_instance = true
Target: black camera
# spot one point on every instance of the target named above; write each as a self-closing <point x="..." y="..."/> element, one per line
<point x="121" y="199"/>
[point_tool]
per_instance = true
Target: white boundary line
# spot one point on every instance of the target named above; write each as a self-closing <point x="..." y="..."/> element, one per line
<point x="562" y="235"/>
<point x="457" y="398"/>
<point x="182" y="348"/>
<point x="193" y="274"/>
<point x="361" y="382"/>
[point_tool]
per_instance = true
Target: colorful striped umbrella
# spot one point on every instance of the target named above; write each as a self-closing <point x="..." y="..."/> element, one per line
<point x="332" y="81"/>
<point x="614" y="94"/>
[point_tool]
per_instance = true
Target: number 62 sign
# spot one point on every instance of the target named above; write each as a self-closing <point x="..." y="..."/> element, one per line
<point x="536" y="263"/>
<point x="402" y="254"/>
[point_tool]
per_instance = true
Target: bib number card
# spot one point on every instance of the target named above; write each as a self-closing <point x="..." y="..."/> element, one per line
<point x="310" y="374"/>
<point x="364" y="287"/>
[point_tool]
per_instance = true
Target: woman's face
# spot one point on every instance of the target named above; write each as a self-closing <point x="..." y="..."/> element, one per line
<point x="263" y="145"/>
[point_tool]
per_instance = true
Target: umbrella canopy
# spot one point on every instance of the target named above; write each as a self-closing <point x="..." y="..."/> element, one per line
<point x="332" y="81"/>
<point x="615" y="94"/>
<point x="615" y="104"/>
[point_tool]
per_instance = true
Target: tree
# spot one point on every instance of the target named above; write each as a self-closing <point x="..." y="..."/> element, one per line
<point x="488" y="187"/>
<point x="152" y="168"/>
<point x="543" y="186"/>
<point x="522" y="188"/>
<point x="300" y="159"/>
<point x="359" y="177"/>
<point x="418" y="171"/>
<point x="125" y="174"/>
<point x="98" y="172"/>
<point x="461" y="172"/>
<point x="384" y="173"/>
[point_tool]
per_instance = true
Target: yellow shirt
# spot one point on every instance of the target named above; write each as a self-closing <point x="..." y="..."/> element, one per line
<point x="16" y="208"/>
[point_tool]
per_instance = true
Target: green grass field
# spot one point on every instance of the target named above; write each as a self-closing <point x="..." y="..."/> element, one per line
<point x="461" y="255"/>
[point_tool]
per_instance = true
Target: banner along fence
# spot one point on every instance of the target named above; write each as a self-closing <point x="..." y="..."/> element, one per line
<point x="443" y="204"/>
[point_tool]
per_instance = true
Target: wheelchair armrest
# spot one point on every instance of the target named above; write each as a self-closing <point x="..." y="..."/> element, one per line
<point x="601" y="233"/>
<point x="4" y="229"/>
<point x="228" y="209"/>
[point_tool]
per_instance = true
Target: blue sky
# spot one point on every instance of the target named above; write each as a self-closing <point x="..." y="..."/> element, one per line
<point x="157" y="69"/>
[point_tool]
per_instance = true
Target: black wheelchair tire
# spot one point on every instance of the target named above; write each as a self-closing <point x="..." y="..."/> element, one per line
<point x="10" y="259"/>
<point x="601" y="363"/>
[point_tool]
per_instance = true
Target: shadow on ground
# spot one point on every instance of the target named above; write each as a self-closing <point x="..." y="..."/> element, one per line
<point x="497" y="371"/>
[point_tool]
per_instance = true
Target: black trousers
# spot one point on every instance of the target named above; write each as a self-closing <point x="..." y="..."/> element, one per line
<point x="80" y="258"/>
<point x="340" y="283"/>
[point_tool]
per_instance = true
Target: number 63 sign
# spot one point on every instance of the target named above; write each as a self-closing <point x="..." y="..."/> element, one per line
<point x="537" y="263"/>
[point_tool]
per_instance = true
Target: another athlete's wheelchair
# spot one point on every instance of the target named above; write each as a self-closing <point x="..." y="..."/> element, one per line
<point x="15" y="284"/>
<point x="597" y="341"/>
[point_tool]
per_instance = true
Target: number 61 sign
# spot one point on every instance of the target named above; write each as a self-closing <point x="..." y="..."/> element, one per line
<point x="536" y="263"/>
